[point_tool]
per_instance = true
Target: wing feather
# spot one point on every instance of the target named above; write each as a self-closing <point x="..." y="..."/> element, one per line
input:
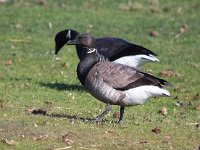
<point x="122" y="77"/>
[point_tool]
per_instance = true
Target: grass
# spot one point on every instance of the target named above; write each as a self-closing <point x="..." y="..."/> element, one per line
<point x="31" y="77"/>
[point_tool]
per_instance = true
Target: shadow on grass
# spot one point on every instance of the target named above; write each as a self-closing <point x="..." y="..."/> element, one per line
<point x="71" y="118"/>
<point x="74" y="118"/>
<point x="62" y="86"/>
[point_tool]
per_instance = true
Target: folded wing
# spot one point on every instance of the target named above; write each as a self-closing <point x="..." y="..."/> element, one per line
<point x="122" y="77"/>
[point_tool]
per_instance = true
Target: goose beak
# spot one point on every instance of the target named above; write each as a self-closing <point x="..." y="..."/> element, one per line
<point x="72" y="42"/>
<point x="56" y="50"/>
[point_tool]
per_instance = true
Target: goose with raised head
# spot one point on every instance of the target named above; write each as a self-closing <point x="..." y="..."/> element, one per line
<point x="113" y="83"/>
<point x="115" y="49"/>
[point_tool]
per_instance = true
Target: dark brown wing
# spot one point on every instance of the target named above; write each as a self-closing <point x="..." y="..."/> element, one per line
<point x="122" y="77"/>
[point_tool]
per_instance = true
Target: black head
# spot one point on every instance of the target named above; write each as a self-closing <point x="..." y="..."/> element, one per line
<point x="63" y="37"/>
<point x="84" y="40"/>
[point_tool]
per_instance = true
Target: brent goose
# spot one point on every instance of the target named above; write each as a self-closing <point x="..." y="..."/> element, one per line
<point x="113" y="83"/>
<point x="115" y="49"/>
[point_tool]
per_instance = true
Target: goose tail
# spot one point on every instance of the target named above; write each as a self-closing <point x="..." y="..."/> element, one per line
<point x="151" y="57"/>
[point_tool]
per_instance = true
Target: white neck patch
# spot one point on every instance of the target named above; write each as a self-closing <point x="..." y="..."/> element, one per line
<point x="68" y="35"/>
<point x="91" y="50"/>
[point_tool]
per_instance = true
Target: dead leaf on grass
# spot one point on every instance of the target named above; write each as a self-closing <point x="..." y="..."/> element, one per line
<point x="63" y="148"/>
<point x="2" y="1"/>
<point x="35" y="125"/>
<point x="183" y="29"/>
<point x="179" y="10"/>
<point x="198" y="107"/>
<point x="143" y="142"/>
<point x="183" y="103"/>
<point x="154" y="33"/>
<point x="198" y="126"/>
<point x="50" y="25"/>
<point x="30" y="110"/>
<point x="182" y="111"/>
<point x="116" y="115"/>
<point x="169" y="73"/>
<point x="197" y="148"/>
<point x="65" y="139"/>
<point x="87" y="4"/>
<point x="42" y="2"/>
<point x="166" y="139"/>
<point x="196" y="97"/>
<point x="156" y="130"/>
<point x="196" y="65"/>
<point x="9" y="62"/>
<point x="166" y="9"/>
<point x="153" y="5"/>
<point x="9" y="142"/>
<point x="40" y="137"/>
<point x="14" y="54"/>
<point x="2" y="104"/>
<point x="18" y="26"/>
<point x="87" y="148"/>
<point x="109" y="132"/>
<point x="65" y="64"/>
<point x="178" y="103"/>
<point x="181" y="89"/>
<point x="192" y="123"/>
<point x="126" y="7"/>
<point x="19" y="40"/>
<point x="176" y="97"/>
<point x="163" y="111"/>
<point x="62" y="5"/>
<point x="2" y="77"/>
<point x="36" y="111"/>
<point x="73" y="120"/>
<point x="130" y="6"/>
<point x="186" y="98"/>
<point x="48" y="103"/>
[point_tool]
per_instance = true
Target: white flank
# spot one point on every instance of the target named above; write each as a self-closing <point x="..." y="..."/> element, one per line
<point x="139" y="95"/>
<point x="136" y="61"/>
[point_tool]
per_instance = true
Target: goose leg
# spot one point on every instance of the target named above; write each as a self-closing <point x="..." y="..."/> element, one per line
<point x="121" y="114"/>
<point x="106" y="111"/>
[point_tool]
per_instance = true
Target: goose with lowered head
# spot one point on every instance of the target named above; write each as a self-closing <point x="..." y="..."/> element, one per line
<point x="115" y="49"/>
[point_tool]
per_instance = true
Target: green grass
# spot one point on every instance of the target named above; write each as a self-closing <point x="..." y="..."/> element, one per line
<point x="36" y="79"/>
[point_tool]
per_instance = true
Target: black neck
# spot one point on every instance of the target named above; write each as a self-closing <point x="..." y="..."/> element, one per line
<point x="73" y="34"/>
<point x="87" y="63"/>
